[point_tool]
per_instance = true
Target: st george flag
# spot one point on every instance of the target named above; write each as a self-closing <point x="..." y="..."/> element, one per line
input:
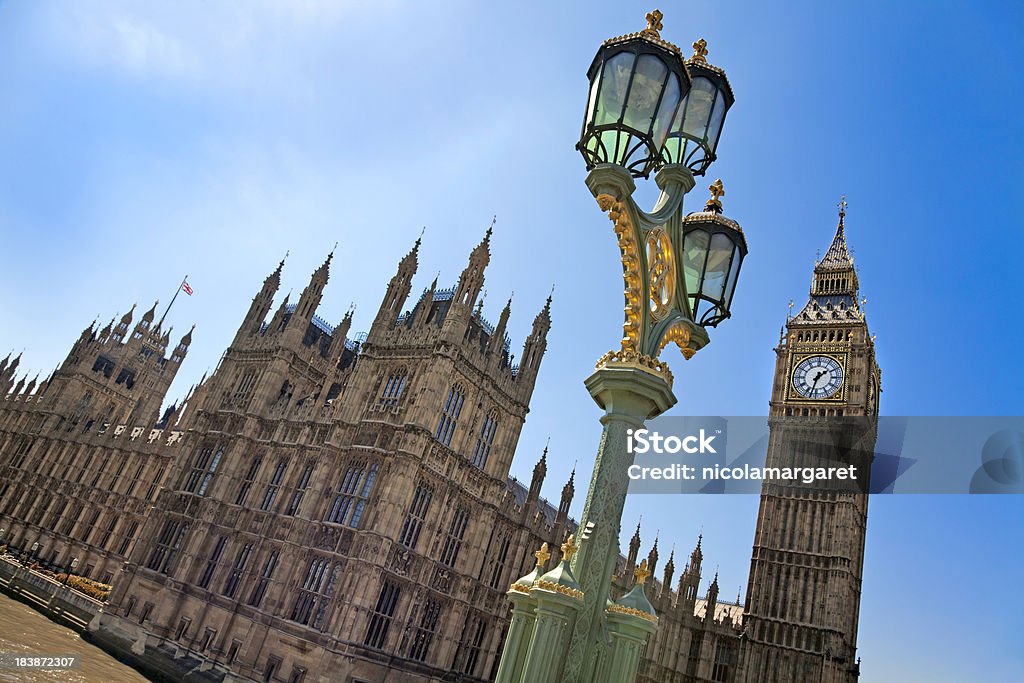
<point x="186" y="287"/>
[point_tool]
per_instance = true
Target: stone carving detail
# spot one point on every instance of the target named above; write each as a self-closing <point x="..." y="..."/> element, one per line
<point x="400" y="561"/>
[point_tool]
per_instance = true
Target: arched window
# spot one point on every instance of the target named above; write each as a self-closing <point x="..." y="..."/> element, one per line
<point x="393" y="389"/>
<point x="484" y="441"/>
<point x="450" y="415"/>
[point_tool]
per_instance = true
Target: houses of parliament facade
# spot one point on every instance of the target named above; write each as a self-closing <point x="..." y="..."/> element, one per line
<point x="319" y="509"/>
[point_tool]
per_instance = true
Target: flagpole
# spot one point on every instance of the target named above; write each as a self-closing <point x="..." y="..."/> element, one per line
<point x="167" y="310"/>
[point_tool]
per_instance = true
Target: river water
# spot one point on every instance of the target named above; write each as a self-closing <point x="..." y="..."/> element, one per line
<point x="26" y="632"/>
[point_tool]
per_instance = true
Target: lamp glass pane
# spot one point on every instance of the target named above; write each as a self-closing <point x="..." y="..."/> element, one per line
<point x="698" y="107"/>
<point x="717" y="116"/>
<point x="668" y="107"/>
<point x="614" y="82"/>
<point x="592" y="100"/>
<point x="718" y="266"/>
<point x="648" y="82"/>
<point x="730" y="285"/>
<point x="695" y="247"/>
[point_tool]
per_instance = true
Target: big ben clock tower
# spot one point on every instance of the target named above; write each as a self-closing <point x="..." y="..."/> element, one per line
<point x="800" y="617"/>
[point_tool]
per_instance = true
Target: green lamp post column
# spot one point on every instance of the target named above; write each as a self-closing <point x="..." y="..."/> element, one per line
<point x="524" y="618"/>
<point x="558" y="597"/>
<point x="631" y="619"/>
<point x="648" y="110"/>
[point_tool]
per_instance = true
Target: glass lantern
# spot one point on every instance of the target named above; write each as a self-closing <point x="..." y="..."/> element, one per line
<point x="637" y="83"/>
<point x="713" y="251"/>
<point x="697" y="126"/>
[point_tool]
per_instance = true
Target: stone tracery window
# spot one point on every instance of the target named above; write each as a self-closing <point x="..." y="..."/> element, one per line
<point x="394" y="388"/>
<point x="353" y="493"/>
<point x="415" y="517"/>
<point x="485" y="440"/>
<point x="380" y="620"/>
<point x="456" y="531"/>
<point x="450" y="414"/>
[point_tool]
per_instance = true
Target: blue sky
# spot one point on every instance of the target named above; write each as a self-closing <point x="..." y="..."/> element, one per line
<point x="142" y="142"/>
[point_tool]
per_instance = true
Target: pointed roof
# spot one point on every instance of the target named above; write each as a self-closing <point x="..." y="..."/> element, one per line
<point x="837" y="256"/>
<point x="151" y="313"/>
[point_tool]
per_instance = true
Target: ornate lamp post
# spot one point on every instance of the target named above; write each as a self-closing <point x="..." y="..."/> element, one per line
<point x="67" y="574"/>
<point x="648" y="110"/>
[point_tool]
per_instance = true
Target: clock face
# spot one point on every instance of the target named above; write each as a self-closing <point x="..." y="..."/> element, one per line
<point x="818" y="377"/>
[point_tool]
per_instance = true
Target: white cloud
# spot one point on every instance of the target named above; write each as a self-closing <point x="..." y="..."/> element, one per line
<point x="195" y="42"/>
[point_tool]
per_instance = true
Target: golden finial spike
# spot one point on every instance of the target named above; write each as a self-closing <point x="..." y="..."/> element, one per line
<point x="700" y="51"/>
<point x="542" y="556"/>
<point x="641" y="573"/>
<point x="569" y="548"/>
<point x="717" y="192"/>
<point x="654" y="24"/>
<point x="842" y="206"/>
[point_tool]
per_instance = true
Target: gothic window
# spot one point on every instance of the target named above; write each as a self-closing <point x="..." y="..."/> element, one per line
<point x="414" y="518"/>
<point x="453" y="543"/>
<point x="167" y="546"/>
<point x="71" y="520"/>
<point x="273" y="486"/>
<point x="100" y="470"/>
<point x="85" y="465"/>
<point x="207" y="640"/>
<point x="270" y="671"/>
<point x="484" y="441"/>
<point x="475" y="643"/>
<point x="103" y="365"/>
<point x="724" y="662"/>
<point x="235" y="577"/>
<point x="393" y="389"/>
<point x="380" y="619"/>
<point x="450" y="415"/>
<point x="424" y="631"/>
<point x="203" y="469"/>
<point x="104" y="539"/>
<point x="300" y="490"/>
<point x="126" y="377"/>
<point x="260" y="589"/>
<point x="250" y="478"/>
<point x="244" y="386"/>
<point x="90" y="526"/>
<point x="126" y="540"/>
<point x="211" y="564"/>
<point x="353" y="492"/>
<point x="315" y="593"/>
<point x="135" y="479"/>
<point x="500" y="559"/>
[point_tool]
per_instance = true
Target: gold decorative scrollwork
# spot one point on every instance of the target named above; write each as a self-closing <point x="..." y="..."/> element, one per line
<point x="661" y="267"/>
<point x="680" y="334"/>
<point x="630" y="250"/>
<point x="637" y="360"/>
<point x="558" y="588"/>
<point x="632" y="612"/>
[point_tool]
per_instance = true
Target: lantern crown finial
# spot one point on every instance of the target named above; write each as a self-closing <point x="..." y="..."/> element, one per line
<point x="654" y="24"/>
<point x="700" y="51"/>
<point x="641" y="573"/>
<point x="717" y="192"/>
<point x="842" y="208"/>
<point x="569" y="547"/>
<point x="542" y="556"/>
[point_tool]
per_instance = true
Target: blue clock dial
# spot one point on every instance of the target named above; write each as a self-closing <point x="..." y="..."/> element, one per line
<point x="818" y="377"/>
